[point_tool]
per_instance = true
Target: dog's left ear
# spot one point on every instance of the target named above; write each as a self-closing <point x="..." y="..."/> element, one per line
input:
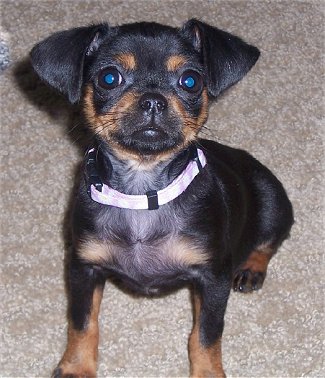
<point x="227" y="58"/>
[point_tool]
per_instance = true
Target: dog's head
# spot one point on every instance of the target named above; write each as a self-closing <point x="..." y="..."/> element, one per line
<point x="145" y="86"/>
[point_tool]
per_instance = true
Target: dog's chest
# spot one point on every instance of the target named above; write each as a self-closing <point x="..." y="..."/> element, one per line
<point x="144" y="246"/>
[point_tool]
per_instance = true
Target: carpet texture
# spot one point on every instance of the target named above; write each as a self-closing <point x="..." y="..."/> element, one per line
<point x="275" y="113"/>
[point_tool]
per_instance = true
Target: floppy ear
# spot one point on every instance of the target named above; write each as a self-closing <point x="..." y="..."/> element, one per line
<point x="227" y="58"/>
<point x="59" y="59"/>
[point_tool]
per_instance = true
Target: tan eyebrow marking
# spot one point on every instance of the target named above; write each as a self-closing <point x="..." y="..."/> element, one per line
<point x="127" y="60"/>
<point x="174" y="62"/>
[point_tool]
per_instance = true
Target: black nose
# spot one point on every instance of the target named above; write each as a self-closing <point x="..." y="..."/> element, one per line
<point x="153" y="102"/>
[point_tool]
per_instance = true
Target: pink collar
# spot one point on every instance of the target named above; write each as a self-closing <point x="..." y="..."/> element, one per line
<point x="105" y="195"/>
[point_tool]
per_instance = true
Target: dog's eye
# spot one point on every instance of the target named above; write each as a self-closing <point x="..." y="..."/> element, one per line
<point x="110" y="78"/>
<point x="191" y="81"/>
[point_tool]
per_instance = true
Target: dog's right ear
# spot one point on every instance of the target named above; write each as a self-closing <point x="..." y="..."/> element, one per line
<point x="59" y="59"/>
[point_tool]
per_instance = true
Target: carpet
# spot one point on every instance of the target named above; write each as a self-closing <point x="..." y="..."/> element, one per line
<point x="276" y="113"/>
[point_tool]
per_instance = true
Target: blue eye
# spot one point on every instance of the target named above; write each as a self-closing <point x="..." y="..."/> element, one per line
<point x="110" y="78"/>
<point x="191" y="81"/>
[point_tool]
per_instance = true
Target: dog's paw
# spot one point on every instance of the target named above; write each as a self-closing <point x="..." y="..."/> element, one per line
<point x="247" y="281"/>
<point x="60" y="372"/>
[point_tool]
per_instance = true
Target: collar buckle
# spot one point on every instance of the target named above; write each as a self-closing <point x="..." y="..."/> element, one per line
<point x="195" y="157"/>
<point x="152" y="196"/>
<point x="91" y="174"/>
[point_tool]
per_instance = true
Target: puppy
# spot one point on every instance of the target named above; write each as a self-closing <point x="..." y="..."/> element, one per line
<point x="159" y="208"/>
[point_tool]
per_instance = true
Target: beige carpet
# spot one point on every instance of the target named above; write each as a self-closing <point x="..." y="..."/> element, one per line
<point x="275" y="113"/>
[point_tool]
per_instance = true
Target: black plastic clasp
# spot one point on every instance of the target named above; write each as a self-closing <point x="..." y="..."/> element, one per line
<point x="195" y="157"/>
<point x="152" y="196"/>
<point x="91" y="174"/>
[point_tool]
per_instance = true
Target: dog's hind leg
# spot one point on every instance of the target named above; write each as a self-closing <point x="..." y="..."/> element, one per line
<point x="251" y="274"/>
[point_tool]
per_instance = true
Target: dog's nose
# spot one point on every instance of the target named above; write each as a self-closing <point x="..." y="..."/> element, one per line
<point x="153" y="102"/>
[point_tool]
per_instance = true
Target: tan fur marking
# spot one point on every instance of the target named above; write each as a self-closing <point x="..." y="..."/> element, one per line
<point x="142" y="162"/>
<point x="104" y="124"/>
<point x="259" y="259"/>
<point x="80" y="357"/>
<point x="205" y="362"/>
<point x="95" y="252"/>
<point x="204" y="110"/>
<point x="175" y="62"/>
<point x="126" y="60"/>
<point x="185" y="253"/>
<point x="192" y="125"/>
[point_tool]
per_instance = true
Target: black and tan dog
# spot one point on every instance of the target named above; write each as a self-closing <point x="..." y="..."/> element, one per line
<point x="160" y="208"/>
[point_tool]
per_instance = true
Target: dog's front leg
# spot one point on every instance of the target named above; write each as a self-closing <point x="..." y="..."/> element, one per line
<point x="85" y="294"/>
<point x="209" y="304"/>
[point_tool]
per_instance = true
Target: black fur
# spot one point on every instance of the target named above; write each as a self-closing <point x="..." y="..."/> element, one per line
<point x="59" y="60"/>
<point x="233" y="207"/>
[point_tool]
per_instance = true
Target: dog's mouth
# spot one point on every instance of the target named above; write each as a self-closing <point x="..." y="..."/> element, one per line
<point x="148" y="140"/>
<point x="148" y="134"/>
